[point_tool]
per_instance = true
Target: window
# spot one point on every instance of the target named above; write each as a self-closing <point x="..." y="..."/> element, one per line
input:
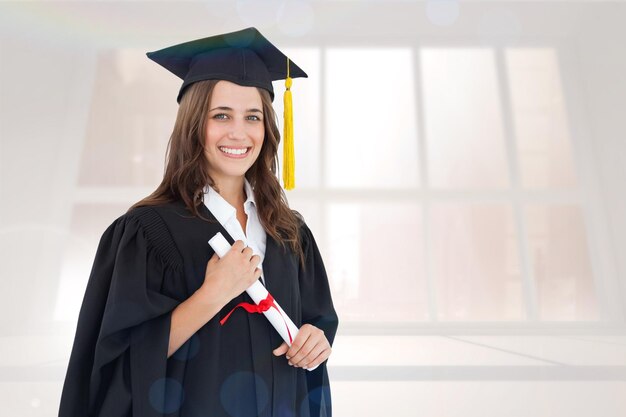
<point x="443" y="192"/>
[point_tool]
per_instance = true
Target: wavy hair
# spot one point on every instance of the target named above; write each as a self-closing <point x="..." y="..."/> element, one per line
<point x="186" y="171"/>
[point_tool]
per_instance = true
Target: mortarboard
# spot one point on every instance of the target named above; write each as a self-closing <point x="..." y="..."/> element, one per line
<point x="244" y="57"/>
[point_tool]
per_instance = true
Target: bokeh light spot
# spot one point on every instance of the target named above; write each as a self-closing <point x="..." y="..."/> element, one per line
<point x="239" y="391"/>
<point x="166" y="395"/>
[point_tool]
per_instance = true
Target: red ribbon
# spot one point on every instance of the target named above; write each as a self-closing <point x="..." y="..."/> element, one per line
<point x="263" y="306"/>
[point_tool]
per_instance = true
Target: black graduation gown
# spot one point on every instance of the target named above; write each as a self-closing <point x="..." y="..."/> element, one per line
<point x="148" y="261"/>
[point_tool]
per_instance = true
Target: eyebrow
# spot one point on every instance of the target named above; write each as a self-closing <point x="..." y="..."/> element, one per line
<point x="230" y="109"/>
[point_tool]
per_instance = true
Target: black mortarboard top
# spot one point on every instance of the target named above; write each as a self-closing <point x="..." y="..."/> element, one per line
<point x="244" y="57"/>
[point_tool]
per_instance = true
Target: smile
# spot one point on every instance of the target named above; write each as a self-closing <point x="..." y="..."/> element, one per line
<point x="235" y="152"/>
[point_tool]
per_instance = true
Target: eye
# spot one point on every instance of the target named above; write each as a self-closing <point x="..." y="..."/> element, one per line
<point x="255" y="118"/>
<point x="219" y="116"/>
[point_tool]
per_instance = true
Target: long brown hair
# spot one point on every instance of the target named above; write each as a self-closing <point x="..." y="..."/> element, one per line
<point x="186" y="172"/>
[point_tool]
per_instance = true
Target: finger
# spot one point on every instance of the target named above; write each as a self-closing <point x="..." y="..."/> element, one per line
<point x="255" y="260"/>
<point x="213" y="259"/>
<point x="257" y="273"/>
<point x="315" y="352"/>
<point x="318" y="342"/>
<point x="236" y="248"/>
<point x="310" y="357"/>
<point x="298" y="342"/>
<point x="282" y="349"/>
<point x="239" y="245"/>
<point x="311" y="343"/>
<point x="254" y="277"/>
<point x="324" y="354"/>
<point x="248" y="253"/>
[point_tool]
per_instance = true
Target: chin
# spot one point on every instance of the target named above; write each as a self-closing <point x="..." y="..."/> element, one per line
<point x="233" y="173"/>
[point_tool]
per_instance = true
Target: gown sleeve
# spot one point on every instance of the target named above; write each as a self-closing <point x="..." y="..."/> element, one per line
<point x="318" y="310"/>
<point x="122" y="336"/>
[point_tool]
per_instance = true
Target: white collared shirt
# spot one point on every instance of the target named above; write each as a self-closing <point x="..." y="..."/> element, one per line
<point x="255" y="236"/>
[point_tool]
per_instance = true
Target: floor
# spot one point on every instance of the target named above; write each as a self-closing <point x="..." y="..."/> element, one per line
<point x="425" y="376"/>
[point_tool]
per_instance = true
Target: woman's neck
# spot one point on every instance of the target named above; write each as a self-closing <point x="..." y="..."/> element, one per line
<point x="232" y="190"/>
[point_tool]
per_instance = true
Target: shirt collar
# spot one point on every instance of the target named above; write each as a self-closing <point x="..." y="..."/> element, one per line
<point x="222" y="209"/>
<point x="249" y="193"/>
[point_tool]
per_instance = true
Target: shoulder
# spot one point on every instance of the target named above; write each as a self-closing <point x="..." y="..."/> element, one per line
<point x="305" y="234"/>
<point x="298" y="216"/>
<point x="152" y="217"/>
<point x="149" y="224"/>
<point x="302" y="226"/>
<point x="145" y="217"/>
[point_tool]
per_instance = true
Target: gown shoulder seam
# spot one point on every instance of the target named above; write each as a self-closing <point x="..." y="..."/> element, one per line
<point x="158" y="234"/>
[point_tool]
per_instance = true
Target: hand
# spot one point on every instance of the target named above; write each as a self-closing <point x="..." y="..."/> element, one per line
<point x="309" y="348"/>
<point x="231" y="275"/>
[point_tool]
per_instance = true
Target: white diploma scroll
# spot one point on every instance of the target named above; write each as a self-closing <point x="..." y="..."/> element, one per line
<point x="276" y="316"/>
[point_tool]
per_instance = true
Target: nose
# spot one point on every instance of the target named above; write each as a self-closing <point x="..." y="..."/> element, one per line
<point x="237" y="131"/>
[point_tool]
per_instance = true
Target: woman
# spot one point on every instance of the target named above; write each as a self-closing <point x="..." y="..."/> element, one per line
<point x="150" y="339"/>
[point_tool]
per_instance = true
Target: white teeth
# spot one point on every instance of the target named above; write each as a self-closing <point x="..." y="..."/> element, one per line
<point x="234" y="151"/>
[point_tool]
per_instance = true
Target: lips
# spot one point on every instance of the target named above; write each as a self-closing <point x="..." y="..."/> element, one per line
<point x="234" y="152"/>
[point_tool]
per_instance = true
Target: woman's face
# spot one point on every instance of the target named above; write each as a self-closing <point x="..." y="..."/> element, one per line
<point x="235" y="125"/>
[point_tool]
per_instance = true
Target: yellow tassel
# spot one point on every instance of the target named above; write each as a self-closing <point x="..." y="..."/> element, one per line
<point x="289" y="160"/>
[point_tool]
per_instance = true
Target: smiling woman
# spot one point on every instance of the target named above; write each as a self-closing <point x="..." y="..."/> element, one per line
<point x="150" y="339"/>
<point x="234" y="131"/>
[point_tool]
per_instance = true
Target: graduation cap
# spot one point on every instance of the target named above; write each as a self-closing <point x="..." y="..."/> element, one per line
<point x="244" y="57"/>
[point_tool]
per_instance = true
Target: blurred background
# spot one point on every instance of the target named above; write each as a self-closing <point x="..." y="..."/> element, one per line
<point x="461" y="164"/>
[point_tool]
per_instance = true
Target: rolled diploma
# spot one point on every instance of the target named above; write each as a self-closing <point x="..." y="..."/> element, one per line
<point x="258" y="292"/>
